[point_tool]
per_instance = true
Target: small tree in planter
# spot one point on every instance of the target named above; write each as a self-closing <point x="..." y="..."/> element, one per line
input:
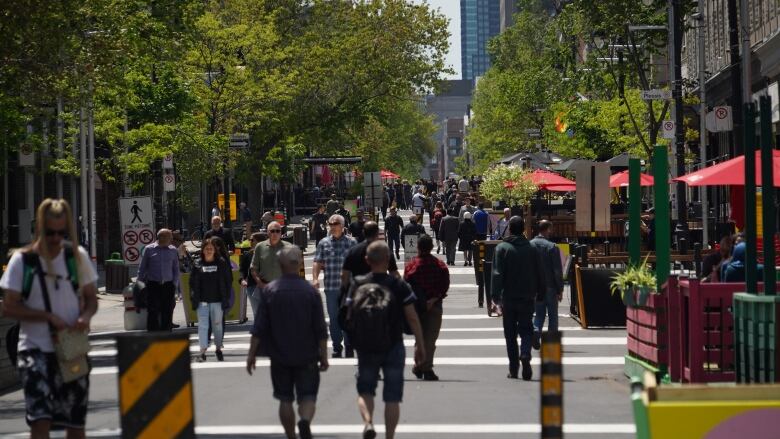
<point x="508" y="183"/>
<point x="635" y="284"/>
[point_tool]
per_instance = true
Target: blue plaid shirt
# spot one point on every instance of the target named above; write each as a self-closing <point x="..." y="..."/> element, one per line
<point x="331" y="252"/>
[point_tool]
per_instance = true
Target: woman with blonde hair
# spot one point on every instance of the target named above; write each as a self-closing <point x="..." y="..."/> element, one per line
<point x="210" y="292"/>
<point x="50" y="287"/>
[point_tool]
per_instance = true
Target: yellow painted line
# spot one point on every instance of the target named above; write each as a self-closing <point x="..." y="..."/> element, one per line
<point x="146" y="369"/>
<point x="173" y="418"/>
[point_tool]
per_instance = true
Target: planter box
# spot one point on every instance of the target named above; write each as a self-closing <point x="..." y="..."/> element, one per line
<point x="646" y="327"/>
<point x="757" y="334"/>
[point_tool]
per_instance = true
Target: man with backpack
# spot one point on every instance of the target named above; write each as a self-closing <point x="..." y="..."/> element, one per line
<point x="50" y="288"/>
<point x="373" y="315"/>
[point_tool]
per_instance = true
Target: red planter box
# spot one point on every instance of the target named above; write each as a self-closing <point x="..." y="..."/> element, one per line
<point x="647" y="330"/>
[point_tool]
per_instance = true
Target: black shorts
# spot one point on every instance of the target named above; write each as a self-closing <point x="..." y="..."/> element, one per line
<point x="305" y="380"/>
<point x="47" y="396"/>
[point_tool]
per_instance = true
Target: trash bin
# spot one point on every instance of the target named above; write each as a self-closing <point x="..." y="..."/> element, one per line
<point x="117" y="274"/>
<point x="301" y="237"/>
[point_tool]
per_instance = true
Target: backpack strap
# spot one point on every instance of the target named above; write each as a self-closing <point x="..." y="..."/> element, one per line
<point x="70" y="263"/>
<point x="31" y="263"/>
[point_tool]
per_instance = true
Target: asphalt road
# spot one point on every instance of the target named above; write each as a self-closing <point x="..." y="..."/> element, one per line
<point x="473" y="399"/>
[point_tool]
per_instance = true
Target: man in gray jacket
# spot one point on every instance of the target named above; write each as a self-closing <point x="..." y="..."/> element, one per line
<point x="550" y="256"/>
<point x="448" y="232"/>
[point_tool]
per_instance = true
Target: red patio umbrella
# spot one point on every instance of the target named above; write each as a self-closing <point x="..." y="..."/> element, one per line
<point x="388" y="174"/>
<point x="730" y="173"/>
<point x="550" y="181"/>
<point x="621" y="179"/>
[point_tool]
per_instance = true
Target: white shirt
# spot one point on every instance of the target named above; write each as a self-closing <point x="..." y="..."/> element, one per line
<point x="418" y="200"/>
<point x="64" y="302"/>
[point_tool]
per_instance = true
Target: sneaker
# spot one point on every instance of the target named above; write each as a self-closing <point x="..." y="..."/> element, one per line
<point x="369" y="432"/>
<point x="220" y="357"/>
<point x="417" y="373"/>
<point x="527" y="371"/>
<point x="430" y="376"/>
<point x="536" y="340"/>
<point x="201" y="358"/>
<point x="512" y="375"/>
<point x="336" y="354"/>
<point x="349" y="353"/>
<point x="304" y="428"/>
<point x="465" y="264"/>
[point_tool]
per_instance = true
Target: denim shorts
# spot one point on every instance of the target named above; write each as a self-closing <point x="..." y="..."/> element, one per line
<point x="392" y="365"/>
<point x="305" y="380"/>
<point x="46" y="396"/>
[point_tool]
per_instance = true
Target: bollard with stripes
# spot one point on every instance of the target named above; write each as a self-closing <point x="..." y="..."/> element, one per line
<point x="552" y="386"/>
<point x="155" y="386"/>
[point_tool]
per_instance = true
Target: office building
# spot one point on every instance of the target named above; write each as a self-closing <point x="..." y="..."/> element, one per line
<point x="480" y="21"/>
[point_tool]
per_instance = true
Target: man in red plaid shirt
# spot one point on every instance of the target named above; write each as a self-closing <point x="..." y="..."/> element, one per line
<point x="430" y="279"/>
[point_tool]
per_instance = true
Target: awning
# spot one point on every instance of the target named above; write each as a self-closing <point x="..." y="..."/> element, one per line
<point x="621" y="179"/>
<point x="730" y="172"/>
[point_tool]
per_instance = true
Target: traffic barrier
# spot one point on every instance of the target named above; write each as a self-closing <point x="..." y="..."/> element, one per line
<point x="134" y="318"/>
<point x="155" y="386"/>
<point x="757" y="333"/>
<point x="700" y="411"/>
<point x="552" y="386"/>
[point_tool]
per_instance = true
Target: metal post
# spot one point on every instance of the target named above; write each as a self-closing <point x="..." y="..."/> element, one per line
<point x="736" y="79"/>
<point x="768" y="190"/>
<point x="705" y="208"/>
<point x="83" y="204"/>
<point x="675" y="36"/>
<point x="92" y="209"/>
<point x="552" y="386"/>
<point x="750" y="198"/>
<point x="661" y="204"/>
<point x="634" y="212"/>
<point x="60" y="142"/>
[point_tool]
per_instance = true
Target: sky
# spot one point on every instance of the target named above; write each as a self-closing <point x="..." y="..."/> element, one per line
<point x="451" y="9"/>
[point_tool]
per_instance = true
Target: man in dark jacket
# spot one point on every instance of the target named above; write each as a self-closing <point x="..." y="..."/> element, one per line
<point x="448" y="232"/>
<point x="550" y="256"/>
<point x="412" y="228"/>
<point x="516" y="283"/>
<point x="393" y="226"/>
<point x="220" y="232"/>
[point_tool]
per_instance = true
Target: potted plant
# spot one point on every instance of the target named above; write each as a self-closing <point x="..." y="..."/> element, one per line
<point x="635" y="284"/>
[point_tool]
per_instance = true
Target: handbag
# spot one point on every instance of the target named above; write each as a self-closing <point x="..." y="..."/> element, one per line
<point x="71" y="346"/>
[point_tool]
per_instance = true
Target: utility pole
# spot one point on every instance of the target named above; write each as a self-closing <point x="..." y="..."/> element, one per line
<point x="60" y="142"/>
<point x="675" y="47"/>
<point x="91" y="179"/>
<point x="735" y="101"/>
<point x="705" y="208"/>
<point x="83" y="204"/>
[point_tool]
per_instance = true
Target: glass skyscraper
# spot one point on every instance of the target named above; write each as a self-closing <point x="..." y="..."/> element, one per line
<point x="480" y="20"/>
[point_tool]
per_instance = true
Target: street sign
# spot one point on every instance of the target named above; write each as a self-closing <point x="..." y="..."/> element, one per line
<point x="137" y="227"/>
<point x="668" y="129"/>
<point x="239" y="140"/>
<point x="656" y="95"/>
<point x="592" y="204"/>
<point x="720" y="119"/>
<point x="221" y="205"/>
<point x="410" y="247"/>
<point x="372" y="189"/>
<point x="533" y="132"/>
<point x="169" y="182"/>
<point x="168" y="162"/>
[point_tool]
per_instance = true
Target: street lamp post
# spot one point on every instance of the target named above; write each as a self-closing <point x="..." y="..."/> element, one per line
<point x="675" y="49"/>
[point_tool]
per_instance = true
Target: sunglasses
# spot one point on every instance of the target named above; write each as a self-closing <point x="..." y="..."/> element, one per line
<point x="275" y="231"/>
<point x="62" y="233"/>
<point x="334" y="224"/>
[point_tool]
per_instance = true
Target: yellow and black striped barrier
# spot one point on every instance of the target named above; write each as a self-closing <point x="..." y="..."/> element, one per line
<point x="155" y="386"/>
<point x="552" y="386"/>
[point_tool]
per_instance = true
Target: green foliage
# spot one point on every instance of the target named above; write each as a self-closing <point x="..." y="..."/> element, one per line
<point x="509" y="183"/>
<point x="639" y="277"/>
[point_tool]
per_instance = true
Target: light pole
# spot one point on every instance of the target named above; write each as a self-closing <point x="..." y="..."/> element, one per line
<point x="675" y="49"/>
<point x="702" y="64"/>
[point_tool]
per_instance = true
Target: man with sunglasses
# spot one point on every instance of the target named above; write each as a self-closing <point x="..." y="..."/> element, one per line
<point x="265" y="261"/>
<point x="329" y="258"/>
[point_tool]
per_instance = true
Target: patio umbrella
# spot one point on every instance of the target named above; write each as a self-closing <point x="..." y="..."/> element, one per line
<point x="387" y="174"/>
<point x="552" y="182"/>
<point x="730" y="172"/>
<point x="621" y="179"/>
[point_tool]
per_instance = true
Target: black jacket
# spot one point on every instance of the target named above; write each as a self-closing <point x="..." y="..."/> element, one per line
<point x="517" y="272"/>
<point x="211" y="286"/>
<point x="412" y="229"/>
<point x="467" y="232"/>
<point x="550" y="256"/>
<point x="393" y="225"/>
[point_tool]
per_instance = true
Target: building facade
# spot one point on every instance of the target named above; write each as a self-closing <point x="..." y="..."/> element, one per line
<point x="451" y="101"/>
<point x="480" y="20"/>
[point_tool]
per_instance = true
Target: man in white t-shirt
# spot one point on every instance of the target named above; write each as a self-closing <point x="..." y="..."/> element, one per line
<point x="50" y="401"/>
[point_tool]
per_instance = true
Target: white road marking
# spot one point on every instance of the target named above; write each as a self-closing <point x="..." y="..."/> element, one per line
<point x="443" y="361"/>
<point x="357" y="429"/>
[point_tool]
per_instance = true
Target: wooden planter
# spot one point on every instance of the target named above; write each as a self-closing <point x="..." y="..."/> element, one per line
<point x="646" y="327"/>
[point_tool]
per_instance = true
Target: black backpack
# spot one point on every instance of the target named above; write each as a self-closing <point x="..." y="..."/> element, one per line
<point x="366" y="316"/>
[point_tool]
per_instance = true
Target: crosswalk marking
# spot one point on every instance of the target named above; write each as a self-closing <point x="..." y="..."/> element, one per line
<point x="443" y="361"/>
<point x="402" y="429"/>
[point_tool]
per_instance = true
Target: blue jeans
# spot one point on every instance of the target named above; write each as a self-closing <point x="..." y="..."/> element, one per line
<point x="214" y="310"/>
<point x="332" y="302"/>
<point x="517" y="321"/>
<point x="254" y="300"/>
<point x="549" y="307"/>
<point x="394" y="241"/>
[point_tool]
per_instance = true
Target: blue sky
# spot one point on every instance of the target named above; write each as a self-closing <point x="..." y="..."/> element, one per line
<point x="450" y="8"/>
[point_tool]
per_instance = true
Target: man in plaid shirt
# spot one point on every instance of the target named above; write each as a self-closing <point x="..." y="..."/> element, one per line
<point x="329" y="258"/>
<point x="429" y="278"/>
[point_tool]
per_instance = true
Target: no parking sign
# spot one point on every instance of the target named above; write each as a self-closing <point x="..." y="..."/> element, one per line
<point x="137" y="227"/>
